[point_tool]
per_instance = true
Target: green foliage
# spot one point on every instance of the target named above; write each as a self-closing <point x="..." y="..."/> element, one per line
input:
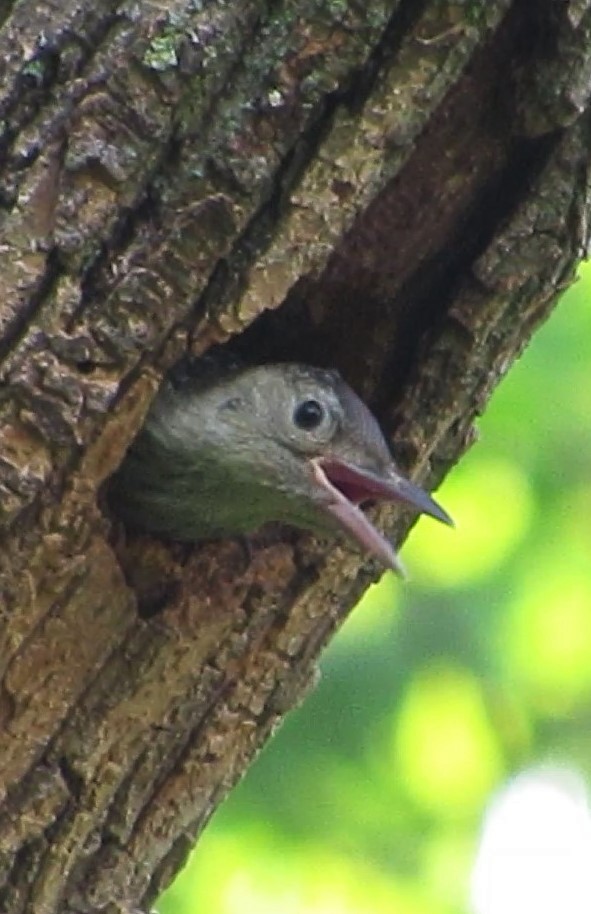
<point x="371" y="797"/>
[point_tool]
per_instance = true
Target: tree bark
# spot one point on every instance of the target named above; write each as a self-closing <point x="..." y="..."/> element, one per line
<point x="396" y="189"/>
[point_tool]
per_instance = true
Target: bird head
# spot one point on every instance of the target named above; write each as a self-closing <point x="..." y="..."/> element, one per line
<point x="280" y="442"/>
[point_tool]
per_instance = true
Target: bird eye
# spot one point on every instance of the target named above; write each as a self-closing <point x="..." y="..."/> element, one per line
<point x="308" y="414"/>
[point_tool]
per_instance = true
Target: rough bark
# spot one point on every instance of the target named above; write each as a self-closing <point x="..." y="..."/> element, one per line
<point x="404" y="186"/>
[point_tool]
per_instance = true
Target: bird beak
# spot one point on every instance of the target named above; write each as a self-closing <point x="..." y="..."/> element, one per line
<point x="349" y="486"/>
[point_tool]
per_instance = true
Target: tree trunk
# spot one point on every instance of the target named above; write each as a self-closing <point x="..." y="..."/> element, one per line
<point x="396" y="189"/>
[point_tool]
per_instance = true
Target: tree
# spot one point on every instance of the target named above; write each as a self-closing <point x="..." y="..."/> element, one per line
<point x="398" y="190"/>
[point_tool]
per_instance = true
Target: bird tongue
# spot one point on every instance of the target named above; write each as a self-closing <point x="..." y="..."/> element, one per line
<point x="349" y="486"/>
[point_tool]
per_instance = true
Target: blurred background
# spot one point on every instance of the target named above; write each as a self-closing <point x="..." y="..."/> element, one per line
<point x="442" y="765"/>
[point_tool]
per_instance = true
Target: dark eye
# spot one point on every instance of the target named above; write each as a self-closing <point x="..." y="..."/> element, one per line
<point x="308" y="414"/>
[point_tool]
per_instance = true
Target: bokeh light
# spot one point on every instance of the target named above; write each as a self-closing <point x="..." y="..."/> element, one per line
<point x="492" y="504"/>
<point x="536" y="846"/>
<point x="445" y="749"/>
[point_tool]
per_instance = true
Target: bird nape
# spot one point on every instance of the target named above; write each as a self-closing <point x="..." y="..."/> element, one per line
<point x="225" y="450"/>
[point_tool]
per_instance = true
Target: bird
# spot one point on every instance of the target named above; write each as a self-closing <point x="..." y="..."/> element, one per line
<point x="227" y="448"/>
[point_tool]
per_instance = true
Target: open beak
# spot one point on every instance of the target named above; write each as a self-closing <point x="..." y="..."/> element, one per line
<point x="349" y="486"/>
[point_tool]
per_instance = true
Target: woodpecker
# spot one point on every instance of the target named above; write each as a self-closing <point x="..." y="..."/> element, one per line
<point x="223" y="452"/>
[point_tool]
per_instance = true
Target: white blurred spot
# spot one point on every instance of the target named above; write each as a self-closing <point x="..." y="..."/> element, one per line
<point x="535" y="851"/>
